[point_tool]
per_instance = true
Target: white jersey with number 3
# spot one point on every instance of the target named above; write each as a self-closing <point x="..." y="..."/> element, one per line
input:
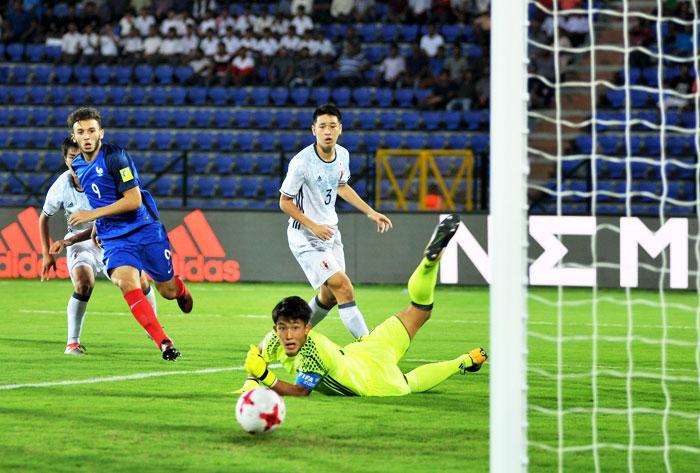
<point x="313" y="183"/>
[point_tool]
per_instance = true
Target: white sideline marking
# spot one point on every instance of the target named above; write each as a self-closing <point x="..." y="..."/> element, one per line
<point x="111" y="379"/>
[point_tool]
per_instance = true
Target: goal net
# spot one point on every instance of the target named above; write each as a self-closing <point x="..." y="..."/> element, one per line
<point x="610" y="335"/>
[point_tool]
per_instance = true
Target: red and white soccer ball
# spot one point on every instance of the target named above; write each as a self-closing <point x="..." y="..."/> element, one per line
<point x="260" y="410"/>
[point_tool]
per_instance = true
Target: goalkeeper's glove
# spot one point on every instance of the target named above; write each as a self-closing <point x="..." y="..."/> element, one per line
<point x="249" y="385"/>
<point x="255" y="365"/>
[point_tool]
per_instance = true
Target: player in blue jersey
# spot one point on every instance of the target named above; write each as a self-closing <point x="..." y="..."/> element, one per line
<point x="127" y="223"/>
<point x="84" y="257"/>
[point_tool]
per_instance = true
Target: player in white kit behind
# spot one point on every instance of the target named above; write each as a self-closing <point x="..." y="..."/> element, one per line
<point x="84" y="257"/>
<point x="315" y="177"/>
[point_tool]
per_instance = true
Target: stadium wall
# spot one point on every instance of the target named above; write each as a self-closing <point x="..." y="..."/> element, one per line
<point x="222" y="246"/>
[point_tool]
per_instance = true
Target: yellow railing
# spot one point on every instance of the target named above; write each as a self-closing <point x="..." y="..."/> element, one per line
<point x="421" y="168"/>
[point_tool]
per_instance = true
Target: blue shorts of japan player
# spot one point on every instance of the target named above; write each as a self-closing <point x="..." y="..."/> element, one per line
<point x="127" y="223"/>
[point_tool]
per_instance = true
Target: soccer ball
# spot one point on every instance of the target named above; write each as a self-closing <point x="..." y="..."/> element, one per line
<point x="260" y="410"/>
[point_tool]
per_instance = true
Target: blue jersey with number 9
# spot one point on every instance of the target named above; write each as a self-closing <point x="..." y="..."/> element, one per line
<point x="104" y="180"/>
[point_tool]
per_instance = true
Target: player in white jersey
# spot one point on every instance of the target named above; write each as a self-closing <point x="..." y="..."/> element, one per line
<point x="83" y="256"/>
<point x="315" y="177"/>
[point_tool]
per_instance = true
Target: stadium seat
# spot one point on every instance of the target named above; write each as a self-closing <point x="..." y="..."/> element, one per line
<point x="437" y="141"/>
<point x="262" y="118"/>
<point x="404" y="97"/>
<point x="452" y="120"/>
<point x="284" y="118"/>
<point x="53" y="53"/>
<point x="21" y="138"/>
<point x="480" y="143"/>
<point x="392" y="140"/>
<point x="165" y="185"/>
<point x="143" y="73"/>
<point x="367" y="119"/>
<point x="248" y="187"/>
<point x="451" y="32"/>
<point x="15" y="52"/>
<point x="414" y="141"/>
<point x="197" y="95"/>
<point x="164" y="74"/>
<point x="160" y="96"/>
<point x="320" y="95"/>
<point x="225" y="140"/>
<point x="242" y="118"/>
<point x="138" y="95"/>
<point x="204" y="141"/>
<point x="409" y="33"/>
<point x="267" y="164"/>
<point x="183" y="140"/>
<point x="143" y="117"/>
<point x="218" y="95"/>
<point x="206" y="186"/>
<point x="267" y="141"/>
<point x="432" y="120"/>
<point x="228" y="186"/>
<point x="244" y="164"/>
<point x="223" y="117"/>
<point x="260" y="96"/>
<point x="610" y="144"/>
<point x="122" y="74"/>
<point x="121" y="138"/>
<point x="616" y="98"/>
<point x="223" y="164"/>
<point x="103" y="74"/>
<point x="410" y="119"/>
<point x="584" y="144"/>
<point x="41" y="116"/>
<point x="300" y="96"/>
<point x="388" y="31"/>
<point x="20" y="74"/>
<point x="141" y="140"/>
<point x="202" y="118"/>
<point x="83" y="74"/>
<point x="351" y="141"/>
<point x="288" y="142"/>
<point x="163" y="140"/>
<point x="178" y="95"/>
<point x="4" y="137"/>
<point x="245" y="140"/>
<point x="183" y="74"/>
<point x="181" y="117"/>
<point x="384" y="97"/>
<point x="239" y="96"/>
<point x="35" y="52"/>
<point x="269" y="188"/>
<point x="63" y="74"/>
<point x="373" y="141"/>
<point x="362" y="96"/>
<point x="279" y="96"/>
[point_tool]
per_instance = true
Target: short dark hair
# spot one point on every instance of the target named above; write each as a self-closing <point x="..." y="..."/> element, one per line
<point x="67" y="144"/>
<point x="327" y="109"/>
<point x="84" y="113"/>
<point x="293" y="308"/>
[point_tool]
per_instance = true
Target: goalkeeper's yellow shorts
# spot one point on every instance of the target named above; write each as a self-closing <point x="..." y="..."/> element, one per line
<point x="381" y="351"/>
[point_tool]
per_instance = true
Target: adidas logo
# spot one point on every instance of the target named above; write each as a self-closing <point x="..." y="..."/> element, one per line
<point x="197" y="253"/>
<point x="20" y="249"/>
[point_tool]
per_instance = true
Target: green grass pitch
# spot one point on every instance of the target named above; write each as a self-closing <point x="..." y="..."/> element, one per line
<point x="141" y="413"/>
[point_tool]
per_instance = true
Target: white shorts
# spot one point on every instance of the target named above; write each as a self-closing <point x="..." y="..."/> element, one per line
<point x="84" y="253"/>
<point x="318" y="259"/>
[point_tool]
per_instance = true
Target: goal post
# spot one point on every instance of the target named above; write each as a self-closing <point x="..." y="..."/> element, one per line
<point x="508" y="210"/>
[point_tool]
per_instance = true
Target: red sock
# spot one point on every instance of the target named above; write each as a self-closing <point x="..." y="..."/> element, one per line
<point x="180" y="287"/>
<point x="144" y="315"/>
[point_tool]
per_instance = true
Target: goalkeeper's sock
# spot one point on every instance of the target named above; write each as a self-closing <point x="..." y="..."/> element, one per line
<point x="151" y="296"/>
<point x="318" y="311"/>
<point x="428" y="376"/>
<point x="144" y="315"/>
<point x="421" y="284"/>
<point x="352" y="319"/>
<point x="75" y="313"/>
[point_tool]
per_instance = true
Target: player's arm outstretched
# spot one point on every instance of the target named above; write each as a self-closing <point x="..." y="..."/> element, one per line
<point x="255" y="365"/>
<point x="130" y="200"/>
<point x="350" y="196"/>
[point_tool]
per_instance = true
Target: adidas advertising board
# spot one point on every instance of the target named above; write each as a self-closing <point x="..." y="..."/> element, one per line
<point x="222" y="246"/>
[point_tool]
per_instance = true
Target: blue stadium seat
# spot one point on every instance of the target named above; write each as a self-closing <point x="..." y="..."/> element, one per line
<point x="165" y="186"/>
<point x="225" y="141"/>
<point x="223" y="117"/>
<point x="41" y="116"/>
<point x="4" y="137"/>
<point x="336" y="31"/>
<point x="160" y="95"/>
<point x="404" y="97"/>
<point x="472" y="119"/>
<point x="181" y="117"/>
<point x="228" y="186"/>
<point x="63" y="74"/>
<point x="288" y="142"/>
<point x="410" y="119"/>
<point x="35" y="52"/>
<point x="164" y="74"/>
<point x="414" y="141"/>
<point x="367" y="119"/>
<point x="15" y="52"/>
<point x="223" y="163"/>
<point x="141" y="140"/>
<point x="362" y="96"/>
<point x="267" y="164"/>
<point x="367" y="31"/>
<point x="609" y="144"/>
<point x="242" y="118"/>
<point x="373" y="141"/>
<point x="457" y="141"/>
<point x="584" y="144"/>
<point x="279" y="96"/>
<point x="409" y="33"/>
<point x="384" y="97"/>
<point x="480" y="143"/>
<point x="452" y="120"/>
<point x="178" y="95"/>
<point x="351" y="141"/>
<point x="120" y="117"/>
<point x="675" y="145"/>
<point x="267" y="141"/>
<point x="143" y="117"/>
<point x="103" y="74"/>
<point x="239" y="95"/>
<point x="245" y="140"/>
<point x="138" y="95"/>
<point x="269" y="187"/>
<point x="122" y="74"/>
<point x="183" y="140"/>
<point x="451" y="32"/>
<point x="206" y="186"/>
<point x="21" y="138"/>
<point x="388" y="31"/>
<point x="197" y="95"/>
<point x="97" y="95"/>
<point x="260" y="96"/>
<point x="5" y="115"/>
<point x="202" y="118"/>
<point x="616" y="98"/>
<point x="120" y="138"/>
<point x="248" y="187"/>
<point x="263" y="118"/>
<point x="392" y="140"/>
<point x="83" y="74"/>
<point x="284" y="118"/>
<point x="53" y="53"/>
<point x="163" y="140"/>
<point x="245" y="164"/>
<point x="10" y="159"/>
<point x="200" y="163"/>
<point x="204" y="141"/>
<point x="300" y="96"/>
<point x="20" y="74"/>
<point x="183" y="74"/>
<point x="143" y="73"/>
<point x="320" y="95"/>
<point x="218" y="95"/>
<point x="432" y="120"/>
<point x="20" y="116"/>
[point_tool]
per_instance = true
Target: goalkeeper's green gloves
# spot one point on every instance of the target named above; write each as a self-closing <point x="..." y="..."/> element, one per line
<point x="255" y="365"/>
<point x="249" y="385"/>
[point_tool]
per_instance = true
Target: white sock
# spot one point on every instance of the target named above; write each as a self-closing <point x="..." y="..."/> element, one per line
<point x="318" y="311"/>
<point x="352" y="319"/>
<point x="151" y="296"/>
<point x="75" y="313"/>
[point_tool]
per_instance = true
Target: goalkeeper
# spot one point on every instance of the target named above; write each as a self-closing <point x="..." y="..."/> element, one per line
<point x="368" y="366"/>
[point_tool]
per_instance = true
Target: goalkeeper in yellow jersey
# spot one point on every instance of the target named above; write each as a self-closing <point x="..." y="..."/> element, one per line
<point x="368" y="366"/>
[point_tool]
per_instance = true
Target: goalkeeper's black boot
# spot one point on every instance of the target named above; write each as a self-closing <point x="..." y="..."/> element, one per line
<point x="473" y="361"/>
<point x="442" y="235"/>
<point x="169" y="351"/>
